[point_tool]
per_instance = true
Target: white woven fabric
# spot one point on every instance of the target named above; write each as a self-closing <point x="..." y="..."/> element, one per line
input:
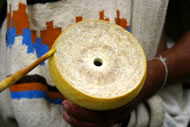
<point x="148" y="17"/>
<point x="145" y="18"/>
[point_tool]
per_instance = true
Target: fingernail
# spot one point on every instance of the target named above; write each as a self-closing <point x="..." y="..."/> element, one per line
<point x="67" y="117"/>
<point x="66" y="106"/>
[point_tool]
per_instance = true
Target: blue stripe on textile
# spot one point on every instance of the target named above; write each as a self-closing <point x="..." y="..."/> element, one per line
<point x="37" y="46"/>
<point x="128" y="29"/>
<point x="35" y="94"/>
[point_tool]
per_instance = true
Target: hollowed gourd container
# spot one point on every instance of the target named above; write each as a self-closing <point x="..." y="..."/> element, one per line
<point x="98" y="65"/>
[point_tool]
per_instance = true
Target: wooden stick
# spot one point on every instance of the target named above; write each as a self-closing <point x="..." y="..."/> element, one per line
<point x="21" y="73"/>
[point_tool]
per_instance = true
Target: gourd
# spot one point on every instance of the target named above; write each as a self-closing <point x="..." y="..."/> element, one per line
<point x="98" y="65"/>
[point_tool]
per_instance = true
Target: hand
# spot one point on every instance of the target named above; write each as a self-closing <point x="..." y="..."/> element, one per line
<point x="178" y="66"/>
<point x="81" y="117"/>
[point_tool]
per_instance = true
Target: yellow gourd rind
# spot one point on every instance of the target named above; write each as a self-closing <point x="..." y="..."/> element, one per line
<point x="84" y="100"/>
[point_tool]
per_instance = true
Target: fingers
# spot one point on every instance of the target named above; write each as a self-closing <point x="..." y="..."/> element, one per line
<point x="78" y="123"/>
<point x="79" y="116"/>
<point x="82" y="113"/>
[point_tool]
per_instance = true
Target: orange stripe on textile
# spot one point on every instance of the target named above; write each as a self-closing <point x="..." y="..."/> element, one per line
<point x="27" y="87"/>
<point x="55" y="95"/>
<point x="122" y="22"/>
<point x="35" y="86"/>
<point x="9" y="17"/>
<point x="33" y="36"/>
<point x="50" y="34"/>
<point x="101" y="16"/>
<point x="79" y="18"/>
<point x="20" y="19"/>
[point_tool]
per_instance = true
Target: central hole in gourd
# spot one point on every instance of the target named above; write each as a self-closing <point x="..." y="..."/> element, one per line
<point x="98" y="62"/>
